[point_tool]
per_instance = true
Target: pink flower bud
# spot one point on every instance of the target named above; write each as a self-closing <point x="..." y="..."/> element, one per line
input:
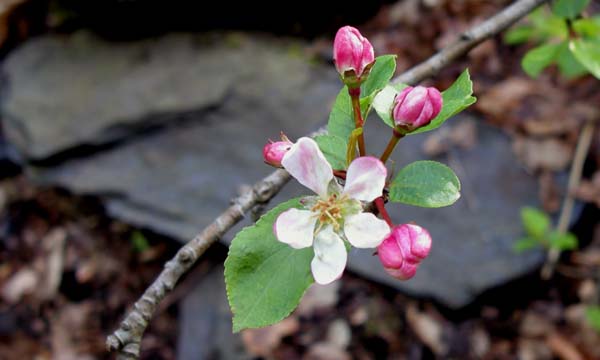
<point x="273" y="152"/>
<point x="351" y="51"/>
<point x="416" y="106"/>
<point x="403" y="249"/>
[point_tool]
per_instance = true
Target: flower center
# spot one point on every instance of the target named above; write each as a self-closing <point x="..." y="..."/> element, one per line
<point x="330" y="211"/>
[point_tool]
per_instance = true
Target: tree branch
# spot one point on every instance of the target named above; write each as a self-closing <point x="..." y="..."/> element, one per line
<point x="127" y="338"/>
<point x="468" y="40"/>
<point x="583" y="146"/>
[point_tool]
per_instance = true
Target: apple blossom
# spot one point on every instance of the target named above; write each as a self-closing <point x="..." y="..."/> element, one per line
<point x="403" y="249"/>
<point x="335" y="214"/>
<point x="416" y="106"/>
<point x="352" y="51"/>
<point x="273" y="152"/>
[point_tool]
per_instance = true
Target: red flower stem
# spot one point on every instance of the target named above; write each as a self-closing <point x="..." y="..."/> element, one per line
<point x="358" y="120"/>
<point x="396" y="136"/>
<point x="380" y="204"/>
<point x="340" y="173"/>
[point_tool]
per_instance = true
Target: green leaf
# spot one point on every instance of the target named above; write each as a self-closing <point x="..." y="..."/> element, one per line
<point x="519" y="35"/>
<point x="535" y="222"/>
<point x="139" y="242"/>
<point x="537" y="59"/>
<point x="334" y="149"/>
<point x="341" y="118"/>
<point x="592" y="315"/>
<point x="457" y="97"/>
<point x="589" y="27"/>
<point x="427" y="184"/>
<point x="567" y="64"/>
<point x="525" y="244"/>
<point x="562" y="241"/>
<point x="588" y="54"/>
<point x="548" y="25"/>
<point x="265" y="278"/>
<point x="569" y="9"/>
<point x="384" y="101"/>
<point x="380" y="75"/>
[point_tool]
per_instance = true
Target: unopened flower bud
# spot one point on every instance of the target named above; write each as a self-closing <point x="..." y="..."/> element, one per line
<point x="352" y="52"/>
<point x="416" y="106"/>
<point x="403" y="249"/>
<point x="273" y="152"/>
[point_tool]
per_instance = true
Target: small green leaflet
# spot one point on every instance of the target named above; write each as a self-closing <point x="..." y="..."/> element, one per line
<point x="265" y="278"/>
<point x="427" y="184"/>
<point x="587" y="52"/>
<point x="569" y="9"/>
<point x="592" y="315"/>
<point x="548" y="24"/>
<point x="380" y="75"/>
<point x="537" y="59"/>
<point x="384" y="101"/>
<point x="589" y="27"/>
<point x="562" y="241"/>
<point x="535" y="222"/>
<point x="567" y="64"/>
<point x="525" y="244"/>
<point x="334" y="149"/>
<point x="456" y="98"/>
<point x="519" y="35"/>
<point x="341" y="118"/>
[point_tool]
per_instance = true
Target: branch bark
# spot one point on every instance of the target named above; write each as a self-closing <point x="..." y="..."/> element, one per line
<point x="583" y="146"/>
<point x="127" y="338"/>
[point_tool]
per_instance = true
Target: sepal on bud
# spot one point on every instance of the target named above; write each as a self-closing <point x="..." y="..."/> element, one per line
<point x="415" y="107"/>
<point x="403" y="249"/>
<point x="273" y="152"/>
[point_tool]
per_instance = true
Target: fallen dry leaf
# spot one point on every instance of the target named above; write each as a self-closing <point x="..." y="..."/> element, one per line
<point x="463" y="135"/>
<point x="339" y="333"/>
<point x="23" y="282"/>
<point x="326" y="351"/>
<point x="543" y="154"/>
<point x="480" y="342"/>
<point x="262" y="342"/>
<point x="563" y="347"/>
<point x="54" y="245"/>
<point x="529" y="349"/>
<point x="318" y="297"/>
<point x="428" y="329"/>
<point x="505" y="96"/>
<point x="535" y="325"/>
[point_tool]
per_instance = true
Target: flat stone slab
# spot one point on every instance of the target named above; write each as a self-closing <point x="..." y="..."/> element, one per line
<point x="67" y="91"/>
<point x="175" y="181"/>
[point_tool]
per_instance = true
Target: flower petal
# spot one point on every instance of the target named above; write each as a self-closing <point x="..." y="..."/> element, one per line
<point x="365" y="178"/>
<point x="404" y="272"/>
<point x="305" y="162"/>
<point x="365" y="230"/>
<point x="295" y="227"/>
<point x="330" y="256"/>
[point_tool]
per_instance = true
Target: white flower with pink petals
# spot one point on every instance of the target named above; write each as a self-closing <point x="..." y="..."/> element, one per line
<point x="334" y="215"/>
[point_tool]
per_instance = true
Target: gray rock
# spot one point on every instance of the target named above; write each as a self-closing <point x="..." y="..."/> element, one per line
<point x="66" y="91"/>
<point x="205" y="323"/>
<point x="177" y="180"/>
